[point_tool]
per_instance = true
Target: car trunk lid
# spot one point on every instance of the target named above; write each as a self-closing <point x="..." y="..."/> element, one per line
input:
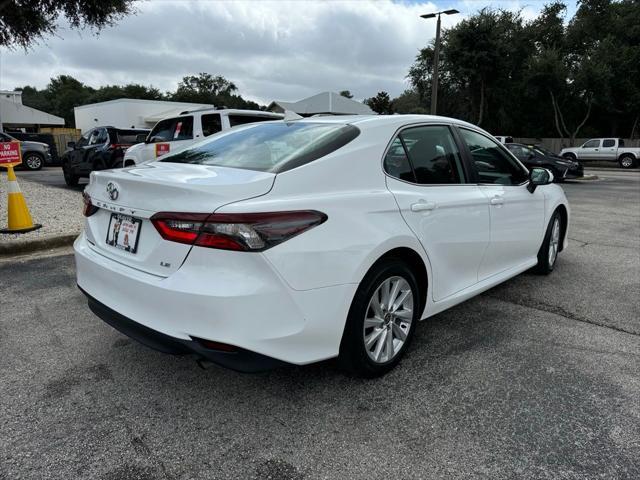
<point x="142" y="191"/>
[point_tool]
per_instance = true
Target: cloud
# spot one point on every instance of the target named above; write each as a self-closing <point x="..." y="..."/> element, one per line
<point x="281" y="50"/>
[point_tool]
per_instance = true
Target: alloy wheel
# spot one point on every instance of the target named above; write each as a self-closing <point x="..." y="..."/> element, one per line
<point x="33" y="162"/>
<point x="626" y="162"/>
<point x="554" y="241"/>
<point x="388" y="319"/>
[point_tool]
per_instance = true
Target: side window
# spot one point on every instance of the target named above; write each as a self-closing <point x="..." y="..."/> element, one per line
<point x="211" y="123"/>
<point x="433" y="154"/>
<point x="608" y="142"/>
<point x="98" y="136"/>
<point x="235" y="120"/>
<point x="172" y="129"/>
<point x="520" y="152"/>
<point x="492" y="164"/>
<point x="84" y="139"/>
<point x="163" y="131"/>
<point x="591" y="144"/>
<point x="396" y="162"/>
<point x="4" y="138"/>
<point x="184" y="129"/>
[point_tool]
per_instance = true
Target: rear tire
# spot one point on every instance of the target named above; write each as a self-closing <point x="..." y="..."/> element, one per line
<point x="381" y="320"/>
<point x="627" y="161"/>
<point x="548" y="253"/>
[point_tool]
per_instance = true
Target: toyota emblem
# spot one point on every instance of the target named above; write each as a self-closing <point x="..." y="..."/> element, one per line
<point x="112" y="191"/>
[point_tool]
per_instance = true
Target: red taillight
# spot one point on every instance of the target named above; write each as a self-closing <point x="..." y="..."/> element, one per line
<point x="88" y="208"/>
<point x="230" y="231"/>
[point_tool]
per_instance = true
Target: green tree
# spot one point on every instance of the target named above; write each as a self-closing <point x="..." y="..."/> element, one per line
<point x="346" y="94"/>
<point x="24" y="22"/>
<point x="381" y="103"/>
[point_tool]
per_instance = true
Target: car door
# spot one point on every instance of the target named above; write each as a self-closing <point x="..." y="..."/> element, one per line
<point x="78" y="153"/>
<point x="94" y="151"/>
<point x="517" y="216"/>
<point x="590" y="150"/>
<point x="450" y="216"/>
<point x="608" y="150"/>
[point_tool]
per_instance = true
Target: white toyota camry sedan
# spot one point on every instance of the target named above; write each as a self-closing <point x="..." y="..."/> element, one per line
<point x="298" y="241"/>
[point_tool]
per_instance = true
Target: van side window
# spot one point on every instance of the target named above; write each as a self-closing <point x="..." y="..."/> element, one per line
<point x="211" y="123"/>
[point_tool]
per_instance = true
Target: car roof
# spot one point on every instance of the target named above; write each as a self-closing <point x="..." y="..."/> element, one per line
<point x="230" y="111"/>
<point x="381" y="120"/>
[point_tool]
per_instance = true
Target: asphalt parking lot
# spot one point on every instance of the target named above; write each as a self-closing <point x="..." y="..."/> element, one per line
<point x="537" y="378"/>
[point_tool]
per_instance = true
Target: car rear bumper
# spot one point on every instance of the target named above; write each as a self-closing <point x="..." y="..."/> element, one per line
<point x="233" y="298"/>
<point x="239" y="359"/>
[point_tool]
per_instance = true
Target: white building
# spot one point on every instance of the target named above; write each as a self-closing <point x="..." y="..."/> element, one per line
<point x="323" y="103"/>
<point x="129" y="113"/>
<point x="16" y="116"/>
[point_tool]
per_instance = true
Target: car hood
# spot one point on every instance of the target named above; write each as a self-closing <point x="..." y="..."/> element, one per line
<point x="134" y="148"/>
<point x="29" y="143"/>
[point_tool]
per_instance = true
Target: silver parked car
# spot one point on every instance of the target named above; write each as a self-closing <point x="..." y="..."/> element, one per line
<point x="34" y="154"/>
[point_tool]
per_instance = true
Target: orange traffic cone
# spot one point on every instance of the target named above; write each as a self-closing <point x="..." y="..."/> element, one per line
<point x="19" y="217"/>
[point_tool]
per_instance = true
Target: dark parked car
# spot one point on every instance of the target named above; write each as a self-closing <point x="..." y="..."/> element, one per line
<point x="98" y="149"/>
<point x="34" y="154"/>
<point x="536" y="156"/>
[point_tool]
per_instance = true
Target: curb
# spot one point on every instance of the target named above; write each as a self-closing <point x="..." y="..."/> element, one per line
<point x="7" y="249"/>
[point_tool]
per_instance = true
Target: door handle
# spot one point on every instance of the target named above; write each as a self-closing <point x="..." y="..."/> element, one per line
<point x="496" y="201"/>
<point x="422" y="206"/>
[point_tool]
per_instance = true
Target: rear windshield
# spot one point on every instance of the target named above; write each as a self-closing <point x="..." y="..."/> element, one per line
<point x="268" y="147"/>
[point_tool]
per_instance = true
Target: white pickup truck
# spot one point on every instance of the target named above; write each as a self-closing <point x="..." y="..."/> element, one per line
<point x="604" y="149"/>
<point x="174" y="133"/>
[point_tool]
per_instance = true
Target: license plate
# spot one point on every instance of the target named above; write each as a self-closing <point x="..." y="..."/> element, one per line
<point x="123" y="232"/>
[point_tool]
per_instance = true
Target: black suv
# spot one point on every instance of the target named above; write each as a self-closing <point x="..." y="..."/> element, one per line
<point x="98" y="149"/>
<point x="536" y="156"/>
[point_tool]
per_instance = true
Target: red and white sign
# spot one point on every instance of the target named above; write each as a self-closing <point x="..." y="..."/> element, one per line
<point x="161" y="149"/>
<point x="10" y="153"/>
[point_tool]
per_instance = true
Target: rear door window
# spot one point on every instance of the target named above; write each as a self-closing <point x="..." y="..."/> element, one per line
<point x="608" y="142"/>
<point x="396" y="162"/>
<point x="433" y="154"/>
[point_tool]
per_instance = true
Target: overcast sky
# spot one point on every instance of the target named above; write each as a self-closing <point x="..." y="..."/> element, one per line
<point x="272" y="50"/>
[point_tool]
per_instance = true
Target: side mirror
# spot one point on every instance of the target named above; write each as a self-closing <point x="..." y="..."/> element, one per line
<point x="539" y="176"/>
<point x="154" y="139"/>
<point x="141" y="138"/>
<point x="71" y="144"/>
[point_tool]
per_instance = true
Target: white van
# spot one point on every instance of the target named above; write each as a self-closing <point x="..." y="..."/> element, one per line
<point x="174" y="133"/>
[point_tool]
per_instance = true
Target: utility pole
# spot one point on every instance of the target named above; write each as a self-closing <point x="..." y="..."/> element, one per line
<point x="436" y="57"/>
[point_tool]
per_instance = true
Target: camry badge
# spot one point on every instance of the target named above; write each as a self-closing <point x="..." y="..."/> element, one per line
<point x="112" y="191"/>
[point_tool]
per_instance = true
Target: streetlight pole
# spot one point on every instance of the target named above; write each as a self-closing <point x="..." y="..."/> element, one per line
<point x="436" y="57"/>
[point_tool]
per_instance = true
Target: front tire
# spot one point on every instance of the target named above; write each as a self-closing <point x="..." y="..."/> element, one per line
<point x="570" y="156"/>
<point x="548" y="253"/>
<point x="381" y="320"/>
<point x="627" y="161"/>
<point x="32" y="161"/>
